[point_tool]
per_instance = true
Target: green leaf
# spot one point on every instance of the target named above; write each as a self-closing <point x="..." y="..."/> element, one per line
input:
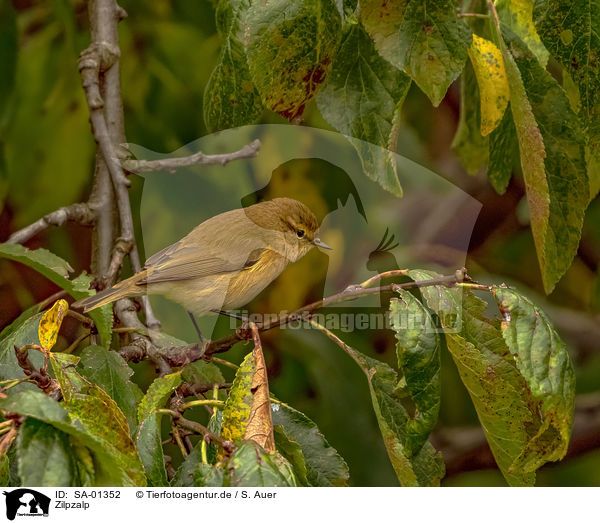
<point x="184" y="476"/>
<point x="23" y="331"/>
<point x="518" y="16"/>
<point x="192" y="472"/>
<point x="98" y="414"/>
<point x="46" y="263"/>
<point x="424" y="38"/>
<point x="9" y="44"/>
<point x="504" y="148"/>
<point x="202" y="372"/>
<point x="290" y="47"/>
<point x="419" y="361"/>
<point x="48" y="458"/>
<point x="570" y="32"/>
<point x="497" y="390"/>
<point x="102" y="316"/>
<point x="324" y="467"/>
<point x="95" y="422"/>
<point x="109" y="370"/>
<point x="520" y="435"/>
<point x="158" y="393"/>
<point x="533" y="153"/>
<point x="149" y="445"/>
<point x="251" y="466"/>
<point x="4" y="470"/>
<point x="230" y="98"/>
<point x="57" y="270"/>
<point x="422" y="468"/>
<point x="208" y="476"/>
<point x="291" y="451"/>
<point x="469" y="145"/>
<point x="564" y="164"/>
<point x="542" y="359"/>
<point x="148" y="439"/>
<point x="239" y="402"/>
<point x="362" y="98"/>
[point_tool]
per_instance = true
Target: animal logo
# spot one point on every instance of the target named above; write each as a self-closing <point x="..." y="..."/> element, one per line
<point x="32" y="503"/>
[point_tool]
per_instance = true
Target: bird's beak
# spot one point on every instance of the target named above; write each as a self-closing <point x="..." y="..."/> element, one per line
<point x="318" y="243"/>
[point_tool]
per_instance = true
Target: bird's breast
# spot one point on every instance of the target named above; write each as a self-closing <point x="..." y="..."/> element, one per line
<point x="248" y="283"/>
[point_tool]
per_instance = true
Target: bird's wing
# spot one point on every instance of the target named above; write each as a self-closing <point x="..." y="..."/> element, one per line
<point x="219" y="245"/>
<point x="180" y="263"/>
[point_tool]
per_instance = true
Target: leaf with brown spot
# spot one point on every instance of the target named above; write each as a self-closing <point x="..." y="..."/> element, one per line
<point x="518" y="375"/>
<point x="50" y="324"/>
<point x="424" y="38"/>
<point x="491" y="76"/>
<point x="260" y="423"/>
<point x="290" y="47"/>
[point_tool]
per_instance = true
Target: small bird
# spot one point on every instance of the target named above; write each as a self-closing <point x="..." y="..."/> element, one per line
<point x="225" y="261"/>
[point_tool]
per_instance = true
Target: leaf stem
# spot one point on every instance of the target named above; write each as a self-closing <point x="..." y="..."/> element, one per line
<point x="179" y="441"/>
<point x="226" y="363"/>
<point x="209" y="403"/>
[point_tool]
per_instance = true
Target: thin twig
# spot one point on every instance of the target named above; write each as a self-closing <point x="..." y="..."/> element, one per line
<point x="472" y="15"/>
<point x="88" y="322"/>
<point x="209" y="403"/>
<point x="225" y="363"/>
<point x="78" y="212"/>
<point x="77" y="341"/>
<point x="177" y="438"/>
<point x="172" y="164"/>
<point x="350" y="293"/>
<point x="179" y="356"/>
<point x="388" y="274"/>
<point x="142" y="346"/>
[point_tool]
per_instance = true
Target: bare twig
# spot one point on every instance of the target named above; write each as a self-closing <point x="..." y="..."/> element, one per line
<point x="350" y="293"/>
<point x="121" y="248"/>
<point x="472" y="15"/>
<point x="194" y="389"/>
<point x="38" y="376"/>
<point x="142" y="346"/>
<point x="209" y="403"/>
<point x="172" y="164"/>
<point x="179" y="356"/>
<point x="88" y="322"/>
<point x="78" y="212"/>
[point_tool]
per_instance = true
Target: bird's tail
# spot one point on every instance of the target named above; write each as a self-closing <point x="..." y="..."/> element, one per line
<point x="123" y="289"/>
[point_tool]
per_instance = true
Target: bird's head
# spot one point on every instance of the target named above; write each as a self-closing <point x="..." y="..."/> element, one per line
<point x="295" y="220"/>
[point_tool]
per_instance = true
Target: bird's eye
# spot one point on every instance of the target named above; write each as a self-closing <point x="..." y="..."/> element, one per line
<point x="300" y="233"/>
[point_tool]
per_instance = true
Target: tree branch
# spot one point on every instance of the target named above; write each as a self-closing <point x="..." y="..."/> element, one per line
<point x="172" y="164"/>
<point x="78" y="212"/>
<point x="142" y="346"/>
<point x="106" y="117"/>
<point x="349" y="293"/>
<point x="182" y="355"/>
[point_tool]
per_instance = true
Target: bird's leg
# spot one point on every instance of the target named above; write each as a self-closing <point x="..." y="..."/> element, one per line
<point x="230" y="315"/>
<point x="200" y="337"/>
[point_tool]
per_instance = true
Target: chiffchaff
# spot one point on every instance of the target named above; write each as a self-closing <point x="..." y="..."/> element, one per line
<point x="226" y="260"/>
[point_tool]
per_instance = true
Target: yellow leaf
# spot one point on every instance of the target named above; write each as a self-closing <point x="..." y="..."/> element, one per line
<point x="523" y="10"/>
<point x="493" y="87"/>
<point x="50" y="324"/>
